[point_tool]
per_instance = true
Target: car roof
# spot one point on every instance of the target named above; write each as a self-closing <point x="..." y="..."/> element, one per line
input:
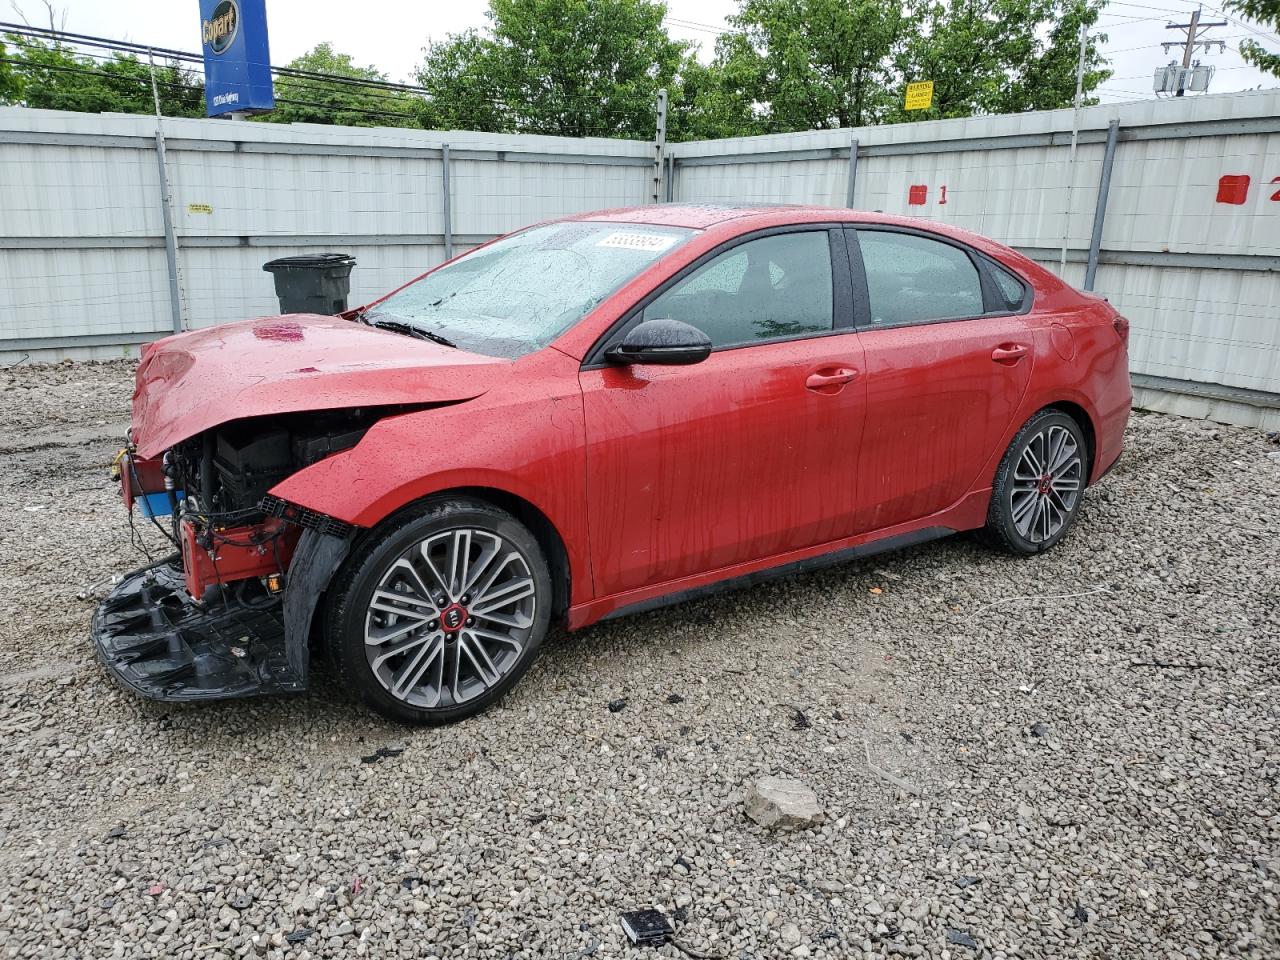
<point x="742" y="218"/>
<point x="729" y="219"/>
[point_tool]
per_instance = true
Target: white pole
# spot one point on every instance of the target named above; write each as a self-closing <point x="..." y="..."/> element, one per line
<point x="1075" y="137"/>
<point x="155" y="92"/>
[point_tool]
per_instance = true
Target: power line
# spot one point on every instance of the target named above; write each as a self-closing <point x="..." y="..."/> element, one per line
<point x="310" y="80"/>
<point x="126" y="46"/>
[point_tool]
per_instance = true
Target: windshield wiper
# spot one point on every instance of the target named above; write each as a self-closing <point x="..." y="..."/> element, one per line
<point x="407" y="328"/>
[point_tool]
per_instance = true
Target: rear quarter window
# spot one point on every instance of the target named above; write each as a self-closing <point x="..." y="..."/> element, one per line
<point x="1013" y="292"/>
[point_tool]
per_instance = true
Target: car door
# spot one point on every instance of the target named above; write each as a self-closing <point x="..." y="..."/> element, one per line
<point x="748" y="454"/>
<point x="947" y="361"/>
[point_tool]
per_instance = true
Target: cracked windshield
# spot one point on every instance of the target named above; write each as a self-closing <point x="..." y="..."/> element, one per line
<point x="517" y="295"/>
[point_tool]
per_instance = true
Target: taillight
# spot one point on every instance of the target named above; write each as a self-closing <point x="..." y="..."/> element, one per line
<point x="1122" y="329"/>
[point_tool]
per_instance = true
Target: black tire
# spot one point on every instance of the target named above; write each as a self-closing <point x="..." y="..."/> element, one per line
<point x="1007" y="519"/>
<point x="378" y="564"/>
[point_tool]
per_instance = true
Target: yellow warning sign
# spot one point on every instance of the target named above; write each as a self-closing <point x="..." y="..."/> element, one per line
<point x="199" y="208"/>
<point x="919" y="95"/>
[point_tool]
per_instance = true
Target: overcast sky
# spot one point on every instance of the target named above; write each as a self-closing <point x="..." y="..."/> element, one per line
<point x="390" y="34"/>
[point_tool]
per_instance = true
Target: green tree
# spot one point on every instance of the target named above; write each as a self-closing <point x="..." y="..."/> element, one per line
<point x="458" y="76"/>
<point x="710" y="102"/>
<point x="301" y="99"/>
<point x="813" y="64"/>
<point x="52" y="76"/>
<point x="820" y="64"/>
<point x="998" y="56"/>
<point x="566" y="67"/>
<point x="10" y="80"/>
<point x="1267" y="13"/>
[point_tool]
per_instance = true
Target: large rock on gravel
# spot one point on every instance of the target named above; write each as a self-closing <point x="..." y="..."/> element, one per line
<point x="782" y="803"/>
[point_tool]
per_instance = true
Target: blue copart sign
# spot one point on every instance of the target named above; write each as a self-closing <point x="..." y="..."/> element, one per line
<point x="237" y="60"/>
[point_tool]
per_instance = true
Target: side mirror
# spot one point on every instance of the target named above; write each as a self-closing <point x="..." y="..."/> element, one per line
<point x="669" y="342"/>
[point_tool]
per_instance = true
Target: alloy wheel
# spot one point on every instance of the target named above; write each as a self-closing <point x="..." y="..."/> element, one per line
<point x="1046" y="485"/>
<point x="450" y="617"/>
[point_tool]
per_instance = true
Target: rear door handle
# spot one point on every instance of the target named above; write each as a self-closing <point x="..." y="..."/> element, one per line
<point x="830" y="380"/>
<point x="1009" y="353"/>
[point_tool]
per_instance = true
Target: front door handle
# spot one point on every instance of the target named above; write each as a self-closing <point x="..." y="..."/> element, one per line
<point x="1009" y="353"/>
<point x="830" y="380"/>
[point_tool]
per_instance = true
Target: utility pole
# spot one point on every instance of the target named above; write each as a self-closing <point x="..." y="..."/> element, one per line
<point x="155" y="91"/>
<point x="660" y="149"/>
<point x="1075" y="139"/>
<point x="1194" y="30"/>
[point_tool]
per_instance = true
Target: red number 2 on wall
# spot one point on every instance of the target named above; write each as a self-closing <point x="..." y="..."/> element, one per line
<point x="1276" y="196"/>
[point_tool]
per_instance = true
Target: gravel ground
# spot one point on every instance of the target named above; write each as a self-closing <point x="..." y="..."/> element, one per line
<point x="1089" y="740"/>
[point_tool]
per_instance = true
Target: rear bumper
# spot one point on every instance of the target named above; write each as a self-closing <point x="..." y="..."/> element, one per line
<point x="158" y="643"/>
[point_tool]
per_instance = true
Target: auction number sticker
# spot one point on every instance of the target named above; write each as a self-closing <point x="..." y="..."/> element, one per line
<point x="652" y="242"/>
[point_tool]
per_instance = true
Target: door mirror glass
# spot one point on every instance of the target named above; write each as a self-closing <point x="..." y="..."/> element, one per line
<point x="667" y="342"/>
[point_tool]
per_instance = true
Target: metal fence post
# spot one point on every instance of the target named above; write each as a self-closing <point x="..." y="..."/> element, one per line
<point x="170" y="237"/>
<point x="448" y="201"/>
<point x="660" y="148"/>
<point x="853" y="172"/>
<point x="671" y="179"/>
<point x="1100" y="212"/>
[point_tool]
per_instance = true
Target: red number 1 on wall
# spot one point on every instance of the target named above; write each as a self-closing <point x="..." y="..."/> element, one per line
<point x="943" y="198"/>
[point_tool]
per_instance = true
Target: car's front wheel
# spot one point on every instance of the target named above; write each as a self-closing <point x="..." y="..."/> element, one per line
<point x="436" y="616"/>
<point x="1039" y="485"/>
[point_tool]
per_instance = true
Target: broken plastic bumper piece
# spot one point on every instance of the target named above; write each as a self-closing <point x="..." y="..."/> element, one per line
<point x="158" y="642"/>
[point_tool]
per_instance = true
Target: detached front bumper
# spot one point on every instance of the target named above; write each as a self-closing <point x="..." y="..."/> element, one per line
<point x="157" y="642"/>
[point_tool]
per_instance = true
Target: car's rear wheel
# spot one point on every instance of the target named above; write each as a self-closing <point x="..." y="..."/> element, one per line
<point x="435" y="617"/>
<point x="1039" y="485"/>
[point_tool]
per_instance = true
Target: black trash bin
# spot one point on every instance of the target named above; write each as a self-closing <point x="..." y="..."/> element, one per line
<point x="314" y="283"/>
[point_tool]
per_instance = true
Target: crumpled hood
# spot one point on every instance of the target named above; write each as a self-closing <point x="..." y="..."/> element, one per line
<point x="193" y="381"/>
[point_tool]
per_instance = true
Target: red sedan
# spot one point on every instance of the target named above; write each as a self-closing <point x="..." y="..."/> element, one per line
<point x="586" y="418"/>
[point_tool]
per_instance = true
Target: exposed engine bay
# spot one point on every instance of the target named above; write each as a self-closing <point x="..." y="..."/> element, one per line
<point x="210" y="620"/>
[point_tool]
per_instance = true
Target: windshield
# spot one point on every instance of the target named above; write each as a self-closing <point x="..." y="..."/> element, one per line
<point x="518" y="294"/>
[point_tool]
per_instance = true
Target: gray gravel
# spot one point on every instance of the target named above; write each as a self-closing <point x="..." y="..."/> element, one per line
<point x="1064" y="757"/>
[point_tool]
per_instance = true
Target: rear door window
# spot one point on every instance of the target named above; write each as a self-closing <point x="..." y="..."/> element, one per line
<point x="913" y="279"/>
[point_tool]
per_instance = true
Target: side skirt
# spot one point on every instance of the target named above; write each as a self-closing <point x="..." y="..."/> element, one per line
<point x="809" y="564"/>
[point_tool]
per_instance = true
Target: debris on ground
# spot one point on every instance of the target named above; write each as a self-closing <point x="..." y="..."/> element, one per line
<point x="961" y="938"/>
<point x="382" y="753"/>
<point x="617" y="705"/>
<point x="646" y="927"/>
<point x="888" y="776"/>
<point x="782" y="803"/>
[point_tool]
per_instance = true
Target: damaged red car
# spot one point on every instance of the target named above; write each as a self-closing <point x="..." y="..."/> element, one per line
<point x="587" y="418"/>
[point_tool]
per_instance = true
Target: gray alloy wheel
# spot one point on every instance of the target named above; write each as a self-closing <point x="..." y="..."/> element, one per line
<point x="1047" y="482"/>
<point x="439" y="610"/>
<point x="1039" y="485"/>
<point x="450" y="617"/>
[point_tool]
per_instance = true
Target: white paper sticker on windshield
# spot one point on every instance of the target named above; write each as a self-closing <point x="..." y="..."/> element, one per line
<point x="637" y="241"/>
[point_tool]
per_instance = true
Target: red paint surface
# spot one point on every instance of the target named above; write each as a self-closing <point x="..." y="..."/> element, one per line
<point x="917" y="195"/>
<point x="139" y="477"/>
<point x="193" y="381"/>
<point x="1233" y="188"/>
<point x="662" y="479"/>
